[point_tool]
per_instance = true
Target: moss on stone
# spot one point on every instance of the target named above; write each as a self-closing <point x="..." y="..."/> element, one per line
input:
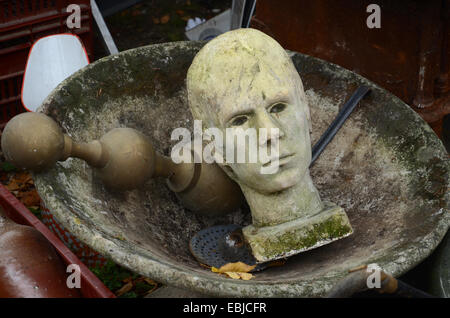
<point x="293" y="237"/>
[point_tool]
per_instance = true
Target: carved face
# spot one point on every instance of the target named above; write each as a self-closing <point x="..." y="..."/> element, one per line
<point x="244" y="79"/>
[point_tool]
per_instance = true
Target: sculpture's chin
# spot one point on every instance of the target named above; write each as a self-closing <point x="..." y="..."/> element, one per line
<point x="277" y="182"/>
<point x="281" y="183"/>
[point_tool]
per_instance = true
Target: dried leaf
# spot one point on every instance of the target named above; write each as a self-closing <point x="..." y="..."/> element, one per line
<point x="30" y="198"/>
<point x="128" y="279"/>
<point x="233" y="275"/>
<point x="246" y="276"/>
<point x="357" y="268"/>
<point x="22" y="177"/>
<point x="150" y="281"/>
<point x="179" y="12"/>
<point x="237" y="270"/>
<point x="234" y="267"/>
<point x="238" y="275"/>
<point x="124" y="289"/>
<point x="155" y="21"/>
<point x="165" y="19"/>
<point x="12" y="186"/>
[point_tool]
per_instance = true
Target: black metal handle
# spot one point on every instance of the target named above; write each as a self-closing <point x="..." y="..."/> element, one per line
<point x="337" y="123"/>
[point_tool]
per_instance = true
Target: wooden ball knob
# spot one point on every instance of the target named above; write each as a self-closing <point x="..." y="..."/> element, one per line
<point x="32" y="141"/>
<point x="130" y="161"/>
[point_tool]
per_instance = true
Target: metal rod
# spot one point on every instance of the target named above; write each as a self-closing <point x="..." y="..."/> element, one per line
<point x="340" y="119"/>
<point x="248" y="13"/>
<point x="107" y="38"/>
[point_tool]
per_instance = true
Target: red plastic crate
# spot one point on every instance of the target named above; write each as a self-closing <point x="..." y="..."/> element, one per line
<point x="23" y="22"/>
<point x="91" y="286"/>
<point x="10" y="104"/>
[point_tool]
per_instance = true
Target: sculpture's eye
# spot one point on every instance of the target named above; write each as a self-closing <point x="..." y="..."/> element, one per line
<point x="277" y="108"/>
<point x="238" y="121"/>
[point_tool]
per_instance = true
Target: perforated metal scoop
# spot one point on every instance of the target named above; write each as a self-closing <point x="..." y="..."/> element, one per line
<point x="220" y="245"/>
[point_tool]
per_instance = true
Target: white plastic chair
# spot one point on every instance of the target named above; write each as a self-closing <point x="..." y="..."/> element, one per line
<point x="51" y="60"/>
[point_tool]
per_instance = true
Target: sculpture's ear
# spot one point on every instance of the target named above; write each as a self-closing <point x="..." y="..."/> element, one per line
<point x="302" y="96"/>
<point x="306" y="108"/>
<point x="308" y="113"/>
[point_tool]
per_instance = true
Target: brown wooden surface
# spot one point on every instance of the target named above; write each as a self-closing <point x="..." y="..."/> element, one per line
<point x="409" y="54"/>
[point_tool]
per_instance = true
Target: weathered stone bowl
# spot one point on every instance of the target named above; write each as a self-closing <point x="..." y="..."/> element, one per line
<point x="386" y="167"/>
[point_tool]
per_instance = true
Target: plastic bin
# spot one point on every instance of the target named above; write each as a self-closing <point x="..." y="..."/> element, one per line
<point x="91" y="286"/>
<point x="22" y="22"/>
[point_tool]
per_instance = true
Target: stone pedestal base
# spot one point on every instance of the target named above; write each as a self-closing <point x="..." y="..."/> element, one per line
<point x="282" y="240"/>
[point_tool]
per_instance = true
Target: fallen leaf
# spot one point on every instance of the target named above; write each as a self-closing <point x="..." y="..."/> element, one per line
<point x="234" y="267"/>
<point x="128" y="279"/>
<point x="150" y="281"/>
<point x="185" y="18"/>
<point x="165" y="19"/>
<point x="180" y="12"/>
<point x="19" y="181"/>
<point x="246" y="276"/>
<point x="124" y="289"/>
<point x="238" y="275"/>
<point x="237" y="270"/>
<point x="30" y="198"/>
<point x="155" y="20"/>
<point x="12" y="186"/>
<point x="233" y="275"/>
<point x="22" y="177"/>
<point x="357" y="268"/>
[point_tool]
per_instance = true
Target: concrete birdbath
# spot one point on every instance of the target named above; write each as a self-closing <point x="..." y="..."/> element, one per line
<point x="385" y="167"/>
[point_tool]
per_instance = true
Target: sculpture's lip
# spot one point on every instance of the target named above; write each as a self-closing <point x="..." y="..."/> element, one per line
<point x="282" y="160"/>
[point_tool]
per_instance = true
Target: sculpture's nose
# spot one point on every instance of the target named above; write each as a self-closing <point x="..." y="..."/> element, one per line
<point x="273" y="128"/>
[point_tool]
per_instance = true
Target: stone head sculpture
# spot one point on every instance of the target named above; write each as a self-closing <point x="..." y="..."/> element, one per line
<point x="244" y="79"/>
